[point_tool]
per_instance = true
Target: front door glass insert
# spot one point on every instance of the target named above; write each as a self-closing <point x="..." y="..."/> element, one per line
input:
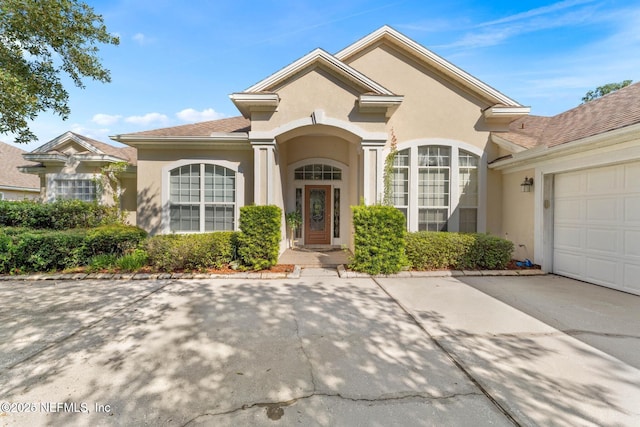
<point x="317" y="209"/>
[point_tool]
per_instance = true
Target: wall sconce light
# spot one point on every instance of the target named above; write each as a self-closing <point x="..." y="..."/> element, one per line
<point x="526" y="185"/>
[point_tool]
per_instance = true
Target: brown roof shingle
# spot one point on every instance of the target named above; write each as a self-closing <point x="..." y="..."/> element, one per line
<point x="613" y="111"/>
<point x="229" y="125"/>
<point x="11" y="158"/>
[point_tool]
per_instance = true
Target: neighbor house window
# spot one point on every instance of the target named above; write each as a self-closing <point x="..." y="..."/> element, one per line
<point x="202" y="197"/>
<point x="75" y="189"/>
<point x="436" y="188"/>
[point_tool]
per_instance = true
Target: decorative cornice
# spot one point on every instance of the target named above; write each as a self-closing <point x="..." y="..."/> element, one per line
<point x="249" y="102"/>
<point x="502" y="113"/>
<point x="386" y="104"/>
<point x="217" y="140"/>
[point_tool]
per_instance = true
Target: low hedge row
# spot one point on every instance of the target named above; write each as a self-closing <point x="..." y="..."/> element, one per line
<point x="58" y="215"/>
<point x="29" y="250"/>
<point x="192" y="251"/>
<point x="436" y="250"/>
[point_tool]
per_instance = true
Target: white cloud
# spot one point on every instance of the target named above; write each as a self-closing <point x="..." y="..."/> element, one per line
<point x="105" y="119"/>
<point x="147" y="119"/>
<point x="141" y="39"/>
<point x="191" y="115"/>
<point x="537" y="12"/>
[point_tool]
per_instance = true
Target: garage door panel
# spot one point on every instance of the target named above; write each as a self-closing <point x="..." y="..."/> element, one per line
<point x="602" y="209"/>
<point x="569" y="237"/>
<point x="632" y="209"/>
<point x="601" y="181"/>
<point x="568" y="264"/>
<point x="602" y="240"/>
<point x="632" y="177"/>
<point x="596" y="233"/>
<point x="568" y="210"/>
<point x="569" y="183"/>
<point x="631" y="280"/>
<point x="632" y="244"/>
<point x="601" y="271"/>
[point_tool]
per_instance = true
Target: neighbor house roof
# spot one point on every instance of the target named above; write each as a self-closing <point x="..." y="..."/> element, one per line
<point x="10" y="176"/>
<point x="613" y="111"/>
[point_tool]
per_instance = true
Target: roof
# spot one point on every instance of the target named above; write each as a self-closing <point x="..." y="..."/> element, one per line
<point x="92" y="146"/>
<point x="9" y="174"/>
<point x="613" y="111"/>
<point x="228" y="125"/>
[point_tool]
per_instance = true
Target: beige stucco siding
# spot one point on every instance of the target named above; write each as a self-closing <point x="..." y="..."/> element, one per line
<point x="314" y="90"/>
<point x="432" y="106"/>
<point x="12" y="194"/>
<point x="517" y="214"/>
<point x="150" y="167"/>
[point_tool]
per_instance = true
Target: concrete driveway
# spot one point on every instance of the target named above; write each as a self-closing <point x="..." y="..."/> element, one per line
<point x="309" y="351"/>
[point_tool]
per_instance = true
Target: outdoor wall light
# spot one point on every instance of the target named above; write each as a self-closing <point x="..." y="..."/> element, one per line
<point x="527" y="184"/>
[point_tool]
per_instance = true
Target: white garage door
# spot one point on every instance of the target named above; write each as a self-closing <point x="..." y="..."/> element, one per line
<point x="597" y="226"/>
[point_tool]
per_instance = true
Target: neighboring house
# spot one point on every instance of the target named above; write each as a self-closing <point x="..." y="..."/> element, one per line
<point x="314" y="137"/>
<point x="70" y="165"/>
<point x="15" y="185"/>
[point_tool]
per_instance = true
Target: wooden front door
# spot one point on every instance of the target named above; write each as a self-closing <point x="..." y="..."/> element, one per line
<point x="317" y="221"/>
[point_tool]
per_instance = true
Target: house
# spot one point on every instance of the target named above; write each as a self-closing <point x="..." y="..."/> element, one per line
<point x="15" y="185"/>
<point x="314" y="137"/>
<point x="71" y="167"/>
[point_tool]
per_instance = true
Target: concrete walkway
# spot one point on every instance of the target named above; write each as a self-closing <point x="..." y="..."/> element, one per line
<point x="305" y="258"/>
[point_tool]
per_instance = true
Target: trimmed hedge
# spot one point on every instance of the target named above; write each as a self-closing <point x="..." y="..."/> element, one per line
<point x="27" y="250"/>
<point x="192" y="251"/>
<point x="379" y="239"/>
<point x="259" y="240"/>
<point x="428" y="250"/>
<point x="58" y="215"/>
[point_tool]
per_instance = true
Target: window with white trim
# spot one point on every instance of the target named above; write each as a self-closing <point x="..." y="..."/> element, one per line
<point x="202" y="198"/>
<point x="75" y="189"/>
<point x="436" y="188"/>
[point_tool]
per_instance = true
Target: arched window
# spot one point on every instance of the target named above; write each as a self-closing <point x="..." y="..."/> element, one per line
<point x="202" y="197"/>
<point x="317" y="172"/>
<point x="436" y="188"/>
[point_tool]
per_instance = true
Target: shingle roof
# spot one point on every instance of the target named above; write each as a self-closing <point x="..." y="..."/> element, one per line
<point x="129" y="154"/>
<point x="613" y="111"/>
<point x="9" y="174"/>
<point x="229" y="125"/>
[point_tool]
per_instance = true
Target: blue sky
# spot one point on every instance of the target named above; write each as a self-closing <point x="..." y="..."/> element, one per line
<point x="178" y="61"/>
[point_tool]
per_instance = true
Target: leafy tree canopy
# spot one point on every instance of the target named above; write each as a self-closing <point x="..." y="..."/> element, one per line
<point x="603" y="90"/>
<point x="39" y="41"/>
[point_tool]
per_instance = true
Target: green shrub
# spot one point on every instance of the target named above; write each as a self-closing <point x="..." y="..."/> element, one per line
<point x="133" y="261"/>
<point x="102" y="262"/>
<point x="115" y="239"/>
<point x="259" y="240"/>
<point x="379" y="239"/>
<point x="191" y="251"/>
<point x="46" y="250"/>
<point x="428" y="250"/>
<point x="58" y="215"/>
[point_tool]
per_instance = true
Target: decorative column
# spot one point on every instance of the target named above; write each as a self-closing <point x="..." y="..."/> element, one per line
<point x="373" y="170"/>
<point x="264" y="165"/>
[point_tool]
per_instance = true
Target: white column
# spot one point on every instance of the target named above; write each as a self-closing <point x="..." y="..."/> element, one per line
<point x="264" y="165"/>
<point x="373" y="171"/>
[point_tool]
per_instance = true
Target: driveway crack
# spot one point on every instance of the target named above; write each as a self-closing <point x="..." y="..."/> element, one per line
<point x="274" y="406"/>
<point x="306" y="355"/>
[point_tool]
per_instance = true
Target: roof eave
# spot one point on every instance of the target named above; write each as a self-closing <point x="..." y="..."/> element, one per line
<point x="236" y="140"/>
<point x="616" y="136"/>
<point x="505" y="114"/>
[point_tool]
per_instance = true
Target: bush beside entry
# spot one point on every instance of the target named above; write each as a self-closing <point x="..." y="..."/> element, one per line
<point x="259" y="239"/>
<point x="379" y="239"/>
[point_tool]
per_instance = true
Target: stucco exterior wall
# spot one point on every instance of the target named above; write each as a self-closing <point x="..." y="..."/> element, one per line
<point x="432" y="107"/>
<point x="317" y="89"/>
<point x="149" y="183"/>
<point x="517" y="214"/>
<point x="12" y="194"/>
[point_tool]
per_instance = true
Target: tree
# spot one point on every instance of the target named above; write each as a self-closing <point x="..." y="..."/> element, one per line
<point x="603" y="90"/>
<point x="40" y="40"/>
